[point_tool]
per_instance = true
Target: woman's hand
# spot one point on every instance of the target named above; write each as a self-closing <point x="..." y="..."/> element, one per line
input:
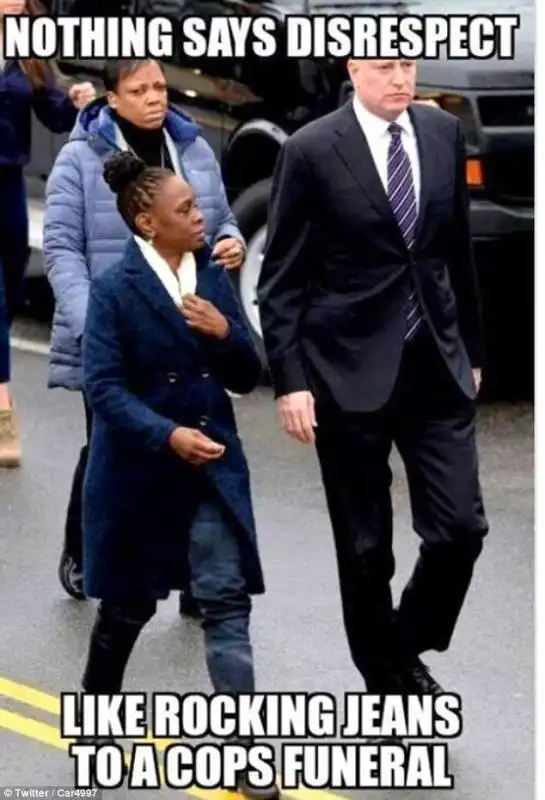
<point x="229" y="253"/>
<point x="81" y="94"/>
<point x="202" y="316"/>
<point x="194" y="447"/>
<point x="13" y="7"/>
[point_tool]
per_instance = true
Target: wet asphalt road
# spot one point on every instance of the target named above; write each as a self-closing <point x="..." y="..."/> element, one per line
<point x="297" y="628"/>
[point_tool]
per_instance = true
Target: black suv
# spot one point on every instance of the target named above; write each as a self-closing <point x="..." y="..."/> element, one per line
<point x="248" y="107"/>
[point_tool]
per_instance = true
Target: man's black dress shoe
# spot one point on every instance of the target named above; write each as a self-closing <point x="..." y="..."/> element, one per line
<point x="384" y="680"/>
<point x="419" y="680"/>
<point x="382" y="740"/>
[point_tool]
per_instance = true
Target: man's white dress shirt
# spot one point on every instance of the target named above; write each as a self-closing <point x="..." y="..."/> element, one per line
<point x="376" y="132"/>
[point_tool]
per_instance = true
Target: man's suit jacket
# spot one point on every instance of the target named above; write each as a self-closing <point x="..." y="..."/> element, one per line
<point x="336" y="272"/>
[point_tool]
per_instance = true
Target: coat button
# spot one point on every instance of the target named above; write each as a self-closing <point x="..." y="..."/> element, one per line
<point x="203" y="422"/>
<point x="206" y="374"/>
<point x="172" y="377"/>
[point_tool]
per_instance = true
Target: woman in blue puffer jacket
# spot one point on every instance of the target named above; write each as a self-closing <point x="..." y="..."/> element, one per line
<point x="84" y="234"/>
<point x="25" y="86"/>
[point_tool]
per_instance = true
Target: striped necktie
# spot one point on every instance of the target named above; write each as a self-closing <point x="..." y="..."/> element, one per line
<point x="402" y="196"/>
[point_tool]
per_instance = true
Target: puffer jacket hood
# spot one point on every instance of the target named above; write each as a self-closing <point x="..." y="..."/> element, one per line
<point x="96" y="126"/>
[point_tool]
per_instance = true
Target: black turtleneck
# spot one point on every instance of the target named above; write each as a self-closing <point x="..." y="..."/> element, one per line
<point x="149" y="145"/>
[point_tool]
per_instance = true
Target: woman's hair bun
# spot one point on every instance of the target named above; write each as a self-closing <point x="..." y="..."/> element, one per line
<point x="121" y="169"/>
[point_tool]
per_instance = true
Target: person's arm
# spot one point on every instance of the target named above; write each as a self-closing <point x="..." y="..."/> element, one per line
<point x="462" y="264"/>
<point x="234" y="360"/>
<point x="104" y="378"/>
<point x="286" y="269"/>
<point x="64" y="239"/>
<point x="54" y="108"/>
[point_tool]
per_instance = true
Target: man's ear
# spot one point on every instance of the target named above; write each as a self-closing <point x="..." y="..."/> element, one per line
<point x="352" y="68"/>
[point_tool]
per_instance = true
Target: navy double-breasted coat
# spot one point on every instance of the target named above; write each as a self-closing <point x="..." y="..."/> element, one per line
<point x="145" y="373"/>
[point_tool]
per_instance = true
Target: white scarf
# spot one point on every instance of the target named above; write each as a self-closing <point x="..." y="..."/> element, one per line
<point x="184" y="281"/>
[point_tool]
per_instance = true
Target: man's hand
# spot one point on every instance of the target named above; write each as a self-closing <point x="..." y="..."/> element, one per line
<point x="202" y="316"/>
<point x="229" y="253"/>
<point x="297" y="415"/>
<point x="477" y="377"/>
<point x="194" y="447"/>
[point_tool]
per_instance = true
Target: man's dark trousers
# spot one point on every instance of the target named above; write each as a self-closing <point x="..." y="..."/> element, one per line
<point x="432" y="424"/>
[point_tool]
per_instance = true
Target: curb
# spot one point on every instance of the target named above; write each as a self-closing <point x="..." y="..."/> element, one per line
<point x="35" y="238"/>
<point x="29" y="346"/>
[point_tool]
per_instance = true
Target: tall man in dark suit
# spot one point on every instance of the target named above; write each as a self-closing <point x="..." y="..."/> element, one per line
<point x="372" y="325"/>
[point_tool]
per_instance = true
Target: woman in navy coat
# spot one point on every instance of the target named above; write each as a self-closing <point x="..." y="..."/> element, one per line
<point x="167" y="476"/>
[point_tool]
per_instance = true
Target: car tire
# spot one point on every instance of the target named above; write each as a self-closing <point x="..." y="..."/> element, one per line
<point x="251" y="209"/>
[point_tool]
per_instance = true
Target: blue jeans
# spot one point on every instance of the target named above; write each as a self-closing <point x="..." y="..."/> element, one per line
<point x="218" y="586"/>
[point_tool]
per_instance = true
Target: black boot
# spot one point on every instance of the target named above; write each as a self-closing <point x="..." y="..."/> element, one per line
<point x="189" y="606"/>
<point x="113" y="637"/>
<point x="98" y="741"/>
<point x="252" y="792"/>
